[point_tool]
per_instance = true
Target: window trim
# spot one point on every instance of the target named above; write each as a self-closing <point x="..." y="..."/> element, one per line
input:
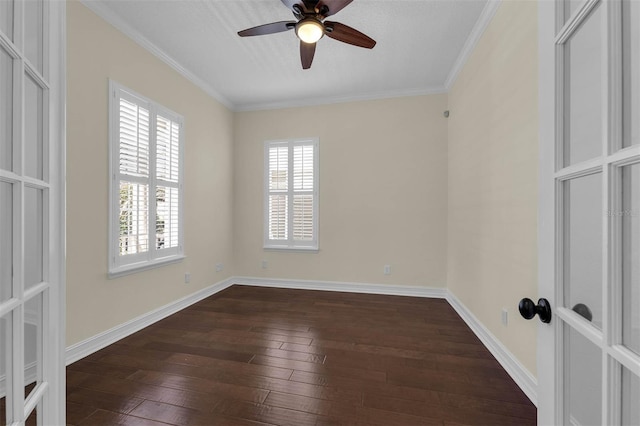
<point x="290" y="244"/>
<point x="153" y="258"/>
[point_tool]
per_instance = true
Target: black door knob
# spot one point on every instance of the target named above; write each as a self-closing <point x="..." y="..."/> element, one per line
<point x="528" y="309"/>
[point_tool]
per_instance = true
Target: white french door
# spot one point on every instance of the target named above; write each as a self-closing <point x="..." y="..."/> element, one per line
<point x="31" y="212"/>
<point x="589" y="223"/>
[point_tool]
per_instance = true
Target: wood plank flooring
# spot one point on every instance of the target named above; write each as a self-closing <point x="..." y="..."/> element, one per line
<point x="252" y="356"/>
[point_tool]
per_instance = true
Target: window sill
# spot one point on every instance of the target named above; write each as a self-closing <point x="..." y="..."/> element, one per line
<point x="143" y="266"/>
<point x="292" y="249"/>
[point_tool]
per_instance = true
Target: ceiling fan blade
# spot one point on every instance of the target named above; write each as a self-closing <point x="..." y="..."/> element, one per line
<point x="334" y="6"/>
<point x="290" y="3"/>
<point x="307" y="51"/>
<point x="274" y="27"/>
<point x="346" y="34"/>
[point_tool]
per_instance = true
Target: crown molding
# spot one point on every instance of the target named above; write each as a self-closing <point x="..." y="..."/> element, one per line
<point x="114" y="20"/>
<point x="485" y="18"/>
<point x="478" y="30"/>
<point x="296" y="103"/>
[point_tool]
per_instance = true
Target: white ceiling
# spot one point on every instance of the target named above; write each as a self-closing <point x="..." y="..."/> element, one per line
<point x="420" y="46"/>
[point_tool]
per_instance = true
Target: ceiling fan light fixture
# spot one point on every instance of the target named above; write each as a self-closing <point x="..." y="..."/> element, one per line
<point x="309" y="30"/>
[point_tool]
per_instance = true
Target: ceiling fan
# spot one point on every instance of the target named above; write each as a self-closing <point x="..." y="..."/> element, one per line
<point x="311" y="27"/>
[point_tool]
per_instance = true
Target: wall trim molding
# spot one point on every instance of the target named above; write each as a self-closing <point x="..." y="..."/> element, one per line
<point x="523" y="378"/>
<point x="118" y="23"/>
<point x="111" y="18"/>
<point x="345" y="287"/>
<point x="478" y="30"/>
<point x="376" y="96"/>
<point x="93" y="344"/>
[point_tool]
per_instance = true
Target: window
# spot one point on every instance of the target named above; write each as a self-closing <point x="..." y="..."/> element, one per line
<point x="291" y="194"/>
<point x="146" y="145"/>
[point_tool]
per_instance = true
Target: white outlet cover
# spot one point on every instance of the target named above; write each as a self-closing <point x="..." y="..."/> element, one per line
<point x="505" y="317"/>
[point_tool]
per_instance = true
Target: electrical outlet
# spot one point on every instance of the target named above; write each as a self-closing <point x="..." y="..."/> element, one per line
<point x="505" y="317"/>
<point x="387" y="269"/>
<point x="219" y="267"/>
<point x="187" y="277"/>
<point x="265" y="264"/>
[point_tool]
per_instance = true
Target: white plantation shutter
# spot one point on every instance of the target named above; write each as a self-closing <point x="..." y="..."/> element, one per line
<point x="303" y="167"/>
<point x="133" y="153"/>
<point x="146" y="185"/>
<point x="134" y="218"/>
<point x="134" y="139"/>
<point x="291" y="202"/>
<point x="167" y="178"/>
<point x="278" y="217"/>
<point x="278" y="181"/>
<point x="167" y="217"/>
<point x="303" y="217"/>
<point x="167" y="149"/>
<point x="278" y="168"/>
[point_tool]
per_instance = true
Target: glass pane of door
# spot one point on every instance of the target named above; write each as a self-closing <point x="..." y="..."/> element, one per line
<point x="583" y="380"/>
<point x="6" y="18"/>
<point x="631" y="72"/>
<point x="32" y="343"/>
<point x="33" y="140"/>
<point x="630" y="216"/>
<point x="583" y="247"/>
<point x="33" y="237"/>
<point x="630" y="398"/>
<point x="583" y="100"/>
<point x="6" y="110"/>
<point x="33" y="33"/>
<point x="33" y="418"/>
<point x="6" y="241"/>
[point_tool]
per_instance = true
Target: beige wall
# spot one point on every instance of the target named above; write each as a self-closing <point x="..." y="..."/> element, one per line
<point x="383" y="200"/>
<point x="446" y="202"/>
<point x="97" y="52"/>
<point x="493" y="162"/>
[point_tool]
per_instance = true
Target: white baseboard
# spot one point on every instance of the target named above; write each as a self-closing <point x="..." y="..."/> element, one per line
<point x="523" y="378"/>
<point x="345" y="287"/>
<point x="106" y="338"/>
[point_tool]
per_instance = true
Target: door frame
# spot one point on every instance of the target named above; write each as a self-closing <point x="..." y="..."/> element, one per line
<point x="548" y="334"/>
<point x="56" y="362"/>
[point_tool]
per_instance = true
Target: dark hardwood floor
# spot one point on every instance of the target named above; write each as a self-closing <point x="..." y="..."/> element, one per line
<point x="249" y="356"/>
